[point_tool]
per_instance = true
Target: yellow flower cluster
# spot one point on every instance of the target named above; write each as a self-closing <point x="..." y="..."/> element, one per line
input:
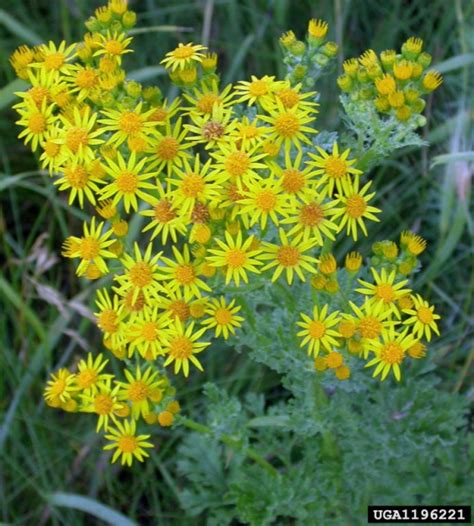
<point x="394" y="83"/>
<point x="381" y="321"/>
<point x="225" y="184"/>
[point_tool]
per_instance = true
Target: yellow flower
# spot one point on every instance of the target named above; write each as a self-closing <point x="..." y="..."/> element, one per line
<point x="78" y="135"/>
<point x="35" y="121"/>
<point x="113" y="45"/>
<point x="89" y="375"/>
<point x="126" y="123"/>
<point x="194" y="184"/>
<point x="237" y="164"/>
<point x="211" y="129"/>
<point x="128" y="444"/>
<point x="205" y="97"/>
<point x="148" y="333"/>
<point x="110" y="317"/>
<point x="355" y="208"/>
<point x="432" y="80"/>
<point x="247" y="134"/>
<point x="20" y="59"/>
<point x="60" y="388"/>
<point x="92" y="247"/>
<point x="291" y="97"/>
<point x="77" y="178"/>
<point x="183" y="56"/>
<point x="129" y="181"/>
<point x="257" y="90"/>
<point x="182" y="347"/>
<point x="390" y="352"/>
<point x="335" y="168"/>
<point x="263" y="200"/>
<point x="224" y="319"/>
<point x="104" y="403"/>
<point x="386" y="84"/>
<point x="141" y="273"/>
<point x="353" y="261"/>
<point x="83" y="80"/>
<point x="412" y="242"/>
<point x="237" y="257"/>
<point x="165" y="219"/>
<point x="289" y="257"/>
<point x="317" y="28"/>
<point x="55" y="59"/>
<point x="317" y="331"/>
<point x="313" y="217"/>
<point x="384" y="290"/>
<point x="288" y="126"/>
<point x="139" y="390"/>
<point x="169" y="149"/>
<point x="422" y="317"/>
<point x="295" y="179"/>
<point x="182" y="274"/>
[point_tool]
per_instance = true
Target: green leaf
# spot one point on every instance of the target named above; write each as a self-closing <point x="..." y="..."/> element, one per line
<point x="20" y="30"/>
<point x="7" y="94"/>
<point x="452" y="157"/>
<point x="91" y="506"/>
<point x="457" y="62"/>
<point x="147" y="73"/>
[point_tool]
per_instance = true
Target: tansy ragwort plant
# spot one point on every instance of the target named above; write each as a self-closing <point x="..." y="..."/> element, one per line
<point x="239" y="193"/>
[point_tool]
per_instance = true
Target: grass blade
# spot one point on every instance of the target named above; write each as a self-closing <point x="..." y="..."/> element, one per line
<point x="24" y="33"/>
<point x="91" y="506"/>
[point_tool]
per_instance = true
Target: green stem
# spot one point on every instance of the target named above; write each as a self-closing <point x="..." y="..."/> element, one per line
<point x="231" y="442"/>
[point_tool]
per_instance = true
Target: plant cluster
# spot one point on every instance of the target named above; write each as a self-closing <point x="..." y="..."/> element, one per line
<point x="241" y="198"/>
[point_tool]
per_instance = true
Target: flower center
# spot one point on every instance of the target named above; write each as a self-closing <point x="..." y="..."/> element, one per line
<point x="293" y="180"/>
<point x="103" y="404"/>
<point x="159" y="115"/>
<point x="311" y="214"/>
<point x="181" y="347"/>
<point x="183" y="52"/>
<point x="138" y="391"/>
<point x="164" y="212"/>
<point x="287" y="125"/>
<point x="237" y="163"/>
<point x="149" y="331"/>
<point x="130" y="123"/>
<point x="89" y="248"/>
<point x="54" y="61"/>
<point x="167" y="149"/>
<point x="258" y="88"/>
<point x="207" y="101"/>
<point x="127" y="443"/>
<point x="288" y="97"/>
<point x="138" y="304"/>
<point x="86" y="378"/>
<point x="86" y="78"/>
<point x="425" y="315"/>
<point x="179" y="309"/>
<point x="392" y="353"/>
<point x="141" y="274"/>
<point x="38" y="94"/>
<point x="212" y="130"/>
<point x="355" y="206"/>
<point x="192" y="185"/>
<point x="335" y="167"/>
<point x="370" y="327"/>
<point x="200" y="213"/>
<point x="37" y="123"/>
<point x="266" y="200"/>
<point x="51" y="149"/>
<point x="76" y="177"/>
<point x="385" y="292"/>
<point x="236" y="257"/>
<point x="59" y="387"/>
<point x="288" y="256"/>
<point x="317" y="329"/>
<point x="114" y="47"/>
<point x="223" y="316"/>
<point x="76" y="137"/>
<point x="107" y="321"/>
<point x="127" y="182"/>
<point x="185" y="274"/>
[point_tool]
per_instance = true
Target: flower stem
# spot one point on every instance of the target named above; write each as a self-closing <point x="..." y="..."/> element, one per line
<point x="231" y="442"/>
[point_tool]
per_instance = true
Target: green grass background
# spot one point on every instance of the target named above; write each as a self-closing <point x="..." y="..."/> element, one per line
<point x="42" y="327"/>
